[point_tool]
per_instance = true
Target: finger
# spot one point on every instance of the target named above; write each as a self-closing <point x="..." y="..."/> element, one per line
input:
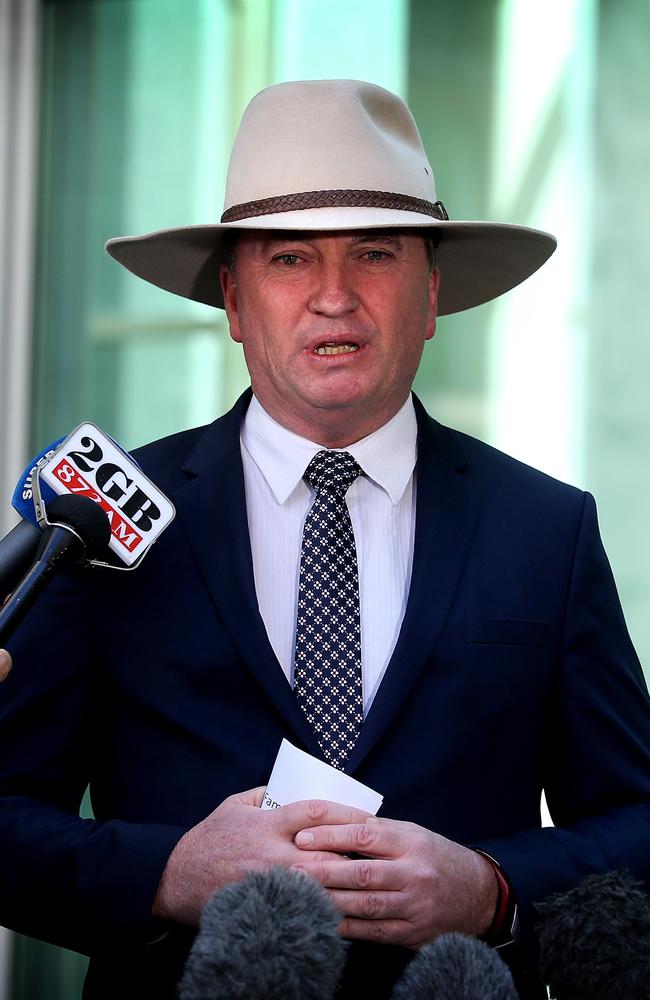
<point x="374" y="838"/>
<point x="389" y="931"/>
<point x="370" y="905"/>
<point x="251" y="797"/>
<point x="359" y="874"/>
<point x="5" y="664"/>
<point x="320" y="857"/>
<point x="317" y="812"/>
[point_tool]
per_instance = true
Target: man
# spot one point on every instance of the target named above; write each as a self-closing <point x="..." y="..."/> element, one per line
<point x="420" y="610"/>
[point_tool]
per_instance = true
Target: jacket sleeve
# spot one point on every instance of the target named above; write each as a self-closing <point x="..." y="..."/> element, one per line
<point x="596" y="758"/>
<point x="79" y="883"/>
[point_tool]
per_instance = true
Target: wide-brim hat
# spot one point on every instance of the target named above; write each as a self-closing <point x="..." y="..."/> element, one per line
<point x="328" y="155"/>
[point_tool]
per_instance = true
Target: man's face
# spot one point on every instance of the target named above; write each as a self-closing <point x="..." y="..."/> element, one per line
<point x="333" y="325"/>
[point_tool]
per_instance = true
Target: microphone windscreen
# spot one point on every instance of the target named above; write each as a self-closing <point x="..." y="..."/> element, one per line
<point x="272" y="935"/>
<point x="85" y="517"/>
<point x="594" y="941"/>
<point x="456" y="967"/>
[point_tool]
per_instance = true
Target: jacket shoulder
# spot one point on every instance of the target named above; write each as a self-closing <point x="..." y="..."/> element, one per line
<point x="500" y="478"/>
<point x="163" y="460"/>
<point x="491" y="463"/>
<point x="171" y="460"/>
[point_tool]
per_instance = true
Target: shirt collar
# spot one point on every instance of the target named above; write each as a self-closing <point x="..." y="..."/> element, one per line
<point x="387" y="456"/>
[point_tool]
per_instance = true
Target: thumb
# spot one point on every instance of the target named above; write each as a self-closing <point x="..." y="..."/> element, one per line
<point x="251" y="797"/>
<point x="6" y="664"/>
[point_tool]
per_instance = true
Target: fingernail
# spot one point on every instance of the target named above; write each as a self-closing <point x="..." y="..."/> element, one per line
<point x="304" y="838"/>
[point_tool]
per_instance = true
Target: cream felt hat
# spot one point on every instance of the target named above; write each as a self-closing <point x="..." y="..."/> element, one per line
<point x="335" y="155"/>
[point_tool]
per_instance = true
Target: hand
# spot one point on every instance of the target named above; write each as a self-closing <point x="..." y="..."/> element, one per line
<point x="235" y="839"/>
<point x="410" y="885"/>
<point x="5" y="665"/>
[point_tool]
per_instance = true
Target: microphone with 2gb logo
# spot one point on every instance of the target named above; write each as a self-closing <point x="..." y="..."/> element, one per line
<point x="83" y="499"/>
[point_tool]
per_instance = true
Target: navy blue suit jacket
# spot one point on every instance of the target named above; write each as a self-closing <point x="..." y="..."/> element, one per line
<point x="513" y="672"/>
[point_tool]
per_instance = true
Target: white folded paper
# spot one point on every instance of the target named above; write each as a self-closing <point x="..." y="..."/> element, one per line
<point x="297" y="775"/>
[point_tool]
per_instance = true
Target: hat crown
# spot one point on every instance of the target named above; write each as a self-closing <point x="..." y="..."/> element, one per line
<point x="322" y="135"/>
<point x="335" y="156"/>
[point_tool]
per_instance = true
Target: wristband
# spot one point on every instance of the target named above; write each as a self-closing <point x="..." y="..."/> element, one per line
<point x="503" y="929"/>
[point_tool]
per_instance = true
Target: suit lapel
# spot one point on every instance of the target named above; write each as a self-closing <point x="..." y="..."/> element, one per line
<point x="212" y="508"/>
<point x="446" y="513"/>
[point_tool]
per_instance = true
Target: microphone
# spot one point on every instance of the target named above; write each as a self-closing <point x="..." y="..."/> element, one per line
<point x="78" y="530"/>
<point x="272" y="935"/>
<point x="90" y="464"/>
<point x="594" y="941"/>
<point x="17" y="551"/>
<point x="456" y="967"/>
<point x="89" y="486"/>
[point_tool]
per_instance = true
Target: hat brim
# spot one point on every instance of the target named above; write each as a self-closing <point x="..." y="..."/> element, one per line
<point x="478" y="261"/>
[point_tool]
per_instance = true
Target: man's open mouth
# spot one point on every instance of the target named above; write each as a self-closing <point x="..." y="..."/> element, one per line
<point x="336" y="348"/>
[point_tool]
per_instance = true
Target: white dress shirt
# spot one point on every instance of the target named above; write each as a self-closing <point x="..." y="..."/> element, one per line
<point x="382" y="510"/>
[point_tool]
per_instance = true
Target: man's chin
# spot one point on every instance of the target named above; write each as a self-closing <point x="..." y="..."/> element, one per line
<point x="346" y="404"/>
<point x="340" y="392"/>
<point x="337" y="421"/>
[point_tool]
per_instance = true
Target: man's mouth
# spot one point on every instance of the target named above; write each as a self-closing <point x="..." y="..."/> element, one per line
<point x="336" y="348"/>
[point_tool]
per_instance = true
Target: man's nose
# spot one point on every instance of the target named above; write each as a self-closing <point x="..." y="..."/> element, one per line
<point x="333" y="293"/>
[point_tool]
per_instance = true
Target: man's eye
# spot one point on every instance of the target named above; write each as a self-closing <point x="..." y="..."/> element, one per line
<point x="376" y="255"/>
<point x="288" y="259"/>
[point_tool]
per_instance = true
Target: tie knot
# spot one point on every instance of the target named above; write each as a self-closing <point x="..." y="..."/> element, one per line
<point x="332" y="471"/>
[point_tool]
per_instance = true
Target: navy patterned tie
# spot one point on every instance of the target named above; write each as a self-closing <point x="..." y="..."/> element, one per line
<point x="327" y="670"/>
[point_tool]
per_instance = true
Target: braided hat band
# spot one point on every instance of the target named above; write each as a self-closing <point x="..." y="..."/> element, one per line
<point x="332" y="156"/>
<point x="334" y="199"/>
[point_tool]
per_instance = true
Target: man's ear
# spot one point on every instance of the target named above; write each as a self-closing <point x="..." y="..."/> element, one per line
<point x="229" y="290"/>
<point x="434" y="285"/>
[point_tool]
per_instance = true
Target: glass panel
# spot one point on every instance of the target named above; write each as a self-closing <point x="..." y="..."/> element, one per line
<point x="136" y="124"/>
<point x="617" y="419"/>
<point x="371" y="41"/>
<point x="541" y="176"/>
<point x="451" y="82"/>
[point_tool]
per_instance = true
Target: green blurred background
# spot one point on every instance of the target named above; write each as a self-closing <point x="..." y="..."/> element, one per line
<point x="532" y="112"/>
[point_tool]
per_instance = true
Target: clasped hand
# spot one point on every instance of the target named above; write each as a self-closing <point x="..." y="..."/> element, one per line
<point x="391" y="881"/>
<point x="402" y="884"/>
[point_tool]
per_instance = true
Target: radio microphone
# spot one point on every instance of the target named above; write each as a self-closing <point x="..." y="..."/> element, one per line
<point x="90" y="464"/>
<point x="17" y="551"/>
<point x="78" y="529"/>
<point x="76" y="490"/>
<point x="272" y="935"/>
<point x="456" y="967"/>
